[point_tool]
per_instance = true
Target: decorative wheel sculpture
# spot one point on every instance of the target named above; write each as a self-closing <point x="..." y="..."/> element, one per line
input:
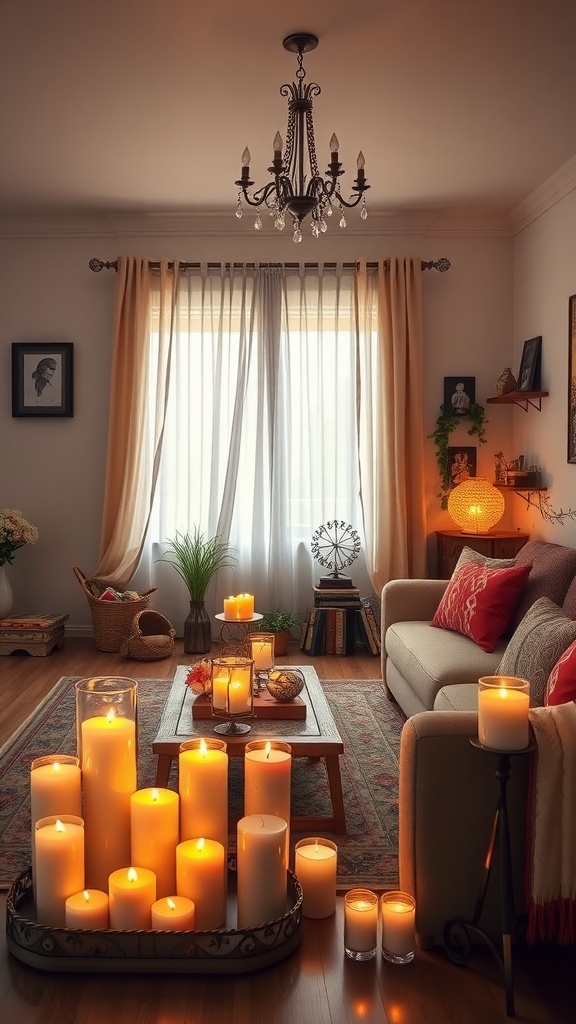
<point x="335" y="545"/>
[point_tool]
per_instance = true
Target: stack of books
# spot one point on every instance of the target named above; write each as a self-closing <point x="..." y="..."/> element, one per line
<point x="337" y="621"/>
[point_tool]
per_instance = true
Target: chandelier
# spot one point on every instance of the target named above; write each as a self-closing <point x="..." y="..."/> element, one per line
<point x="297" y="188"/>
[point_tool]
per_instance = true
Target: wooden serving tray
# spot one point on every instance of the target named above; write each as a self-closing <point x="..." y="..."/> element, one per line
<point x="264" y="707"/>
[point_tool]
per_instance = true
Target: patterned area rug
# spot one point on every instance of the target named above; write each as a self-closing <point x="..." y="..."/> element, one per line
<point x="370" y="727"/>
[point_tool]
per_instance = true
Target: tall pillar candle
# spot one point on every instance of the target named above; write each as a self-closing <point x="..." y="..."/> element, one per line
<point x="315" y="864"/>
<point x="203" y="788"/>
<point x="503" y="705"/>
<point x="155" y="834"/>
<point x="106" y="737"/>
<point x="267" y="779"/>
<point x="55" y="788"/>
<point x="131" y="893"/>
<point x="59" y="858"/>
<point x="200" y="877"/>
<point x="262" y="869"/>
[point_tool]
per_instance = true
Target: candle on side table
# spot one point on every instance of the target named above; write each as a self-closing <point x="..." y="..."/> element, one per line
<point x="315" y="866"/>
<point x="397" y="916"/>
<point x="503" y="704"/>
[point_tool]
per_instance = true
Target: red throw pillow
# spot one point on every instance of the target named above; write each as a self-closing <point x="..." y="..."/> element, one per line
<point x="561" y="685"/>
<point x="480" y="602"/>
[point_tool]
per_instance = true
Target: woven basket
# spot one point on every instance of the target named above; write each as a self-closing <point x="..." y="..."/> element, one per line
<point x="111" y="620"/>
<point x="151" y="638"/>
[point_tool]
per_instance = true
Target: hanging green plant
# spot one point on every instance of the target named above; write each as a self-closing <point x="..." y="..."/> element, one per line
<point x="445" y="425"/>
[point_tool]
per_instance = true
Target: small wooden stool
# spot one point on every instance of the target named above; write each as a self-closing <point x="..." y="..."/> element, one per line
<point x="37" y="635"/>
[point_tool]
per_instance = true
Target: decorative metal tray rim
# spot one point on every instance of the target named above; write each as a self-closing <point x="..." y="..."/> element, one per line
<point x="221" y="951"/>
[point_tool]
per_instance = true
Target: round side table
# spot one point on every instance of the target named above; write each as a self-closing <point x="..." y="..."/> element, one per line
<point x="234" y="632"/>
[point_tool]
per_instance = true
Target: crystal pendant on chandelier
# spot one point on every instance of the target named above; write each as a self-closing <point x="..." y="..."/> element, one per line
<point x="296" y="185"/>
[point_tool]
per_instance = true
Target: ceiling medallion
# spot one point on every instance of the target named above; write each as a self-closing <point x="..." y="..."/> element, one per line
<point x="297" y="188"/>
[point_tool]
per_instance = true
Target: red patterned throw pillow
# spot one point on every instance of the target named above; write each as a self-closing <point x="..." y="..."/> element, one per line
<point x="561" y="685"/>
<point x="480" y="602"/>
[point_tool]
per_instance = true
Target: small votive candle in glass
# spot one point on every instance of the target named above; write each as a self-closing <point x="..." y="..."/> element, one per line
<point x="397" y="911"/>
<point x="503" y="704"/>
<point x="315" y="862"/>
<point x="360" y="924"/>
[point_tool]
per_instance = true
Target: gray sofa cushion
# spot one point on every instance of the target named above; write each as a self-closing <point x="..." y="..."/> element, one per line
<point x="460" y="697"/>
<point x="541" y="638"/>
<point x="553" y="569"/>
<point x="433" y="658"/>
<point x="469" y="555"/>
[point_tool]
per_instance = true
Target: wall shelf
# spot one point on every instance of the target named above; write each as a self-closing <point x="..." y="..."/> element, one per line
<point x="521" y="398"/>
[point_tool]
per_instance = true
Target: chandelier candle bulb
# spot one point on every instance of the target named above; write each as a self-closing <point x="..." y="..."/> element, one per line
<point x="200" y="877"/>
<point x="87" y="909"/>
<point x="503" y="705"/>
<point x="397" y="917"/>
<point x="106" y="743"/>
<point x="59" y="859"/>
<point x="173" y="913"/>
<point x="315" y="863"/>
<point x="155" y="834"/>
<point x="360" y="924"/>
<point x="262" y="869"/>
<point x="131" y="892"/>
<point x="203" y="789"/>
<point x="267" y="780"/>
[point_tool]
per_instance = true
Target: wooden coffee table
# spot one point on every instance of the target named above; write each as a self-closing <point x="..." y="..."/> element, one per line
<point x="315" y="736"/>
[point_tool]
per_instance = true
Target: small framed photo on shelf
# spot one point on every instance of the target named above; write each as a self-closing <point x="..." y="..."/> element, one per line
<point x="459" y="394"/>
<point x="461" y="464"/>
<point x="42" y="379"/>
<point x="529" y="375"/>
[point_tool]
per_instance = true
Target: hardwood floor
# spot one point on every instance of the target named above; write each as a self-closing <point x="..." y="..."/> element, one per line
<point x="317" y="984"/>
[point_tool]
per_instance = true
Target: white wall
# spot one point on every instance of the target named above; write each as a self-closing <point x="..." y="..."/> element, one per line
<point x="53" y="469"/>
<point x="544" y="279"/>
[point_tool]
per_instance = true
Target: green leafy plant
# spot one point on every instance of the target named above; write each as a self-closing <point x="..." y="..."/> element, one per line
<point x="278" y="621"/>
<point x="197" y="559"/>
<point x="445" y="424"/>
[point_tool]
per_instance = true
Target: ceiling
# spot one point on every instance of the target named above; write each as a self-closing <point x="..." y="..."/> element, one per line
<point x="462" y="107"/>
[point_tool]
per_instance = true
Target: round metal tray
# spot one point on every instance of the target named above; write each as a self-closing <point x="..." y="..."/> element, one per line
<point x="222" y="951"/>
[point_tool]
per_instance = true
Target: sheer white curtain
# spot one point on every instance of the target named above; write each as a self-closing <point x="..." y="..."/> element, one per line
<point x="260" y="441"/>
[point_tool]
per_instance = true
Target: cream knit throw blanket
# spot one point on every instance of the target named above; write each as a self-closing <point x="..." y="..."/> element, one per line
<point x="552" y="822"/>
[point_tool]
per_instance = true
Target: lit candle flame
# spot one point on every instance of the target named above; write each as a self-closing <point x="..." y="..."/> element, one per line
<point x="59" y="826"/>
<point x="200" y="844"/>
<point x="154" y="794"/>
<point x="111" y="715"/>
<point x="132" y="875"/>
<point x="171" y="904"/>
<point x="203" y="748"/>
<point x="56" y="766"/>
<point x="86" y="896"/>
<point x="268" y="748"/>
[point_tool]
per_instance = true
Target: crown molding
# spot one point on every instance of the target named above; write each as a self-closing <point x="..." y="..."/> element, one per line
<point x="547" y="195"/>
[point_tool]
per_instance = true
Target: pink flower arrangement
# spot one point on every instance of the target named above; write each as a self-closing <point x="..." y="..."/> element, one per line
<point x="199" y="678"/>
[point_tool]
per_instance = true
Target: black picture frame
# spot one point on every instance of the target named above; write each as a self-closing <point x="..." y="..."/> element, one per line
<point x="572" y="379"/>
<point x="529" y="373"/>
<point x="42" y="378"/>
<point x="461" y="464"/>
<point x="459" y="394"/>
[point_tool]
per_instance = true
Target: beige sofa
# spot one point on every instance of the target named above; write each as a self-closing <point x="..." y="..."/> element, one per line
<point x="448" y="789"/>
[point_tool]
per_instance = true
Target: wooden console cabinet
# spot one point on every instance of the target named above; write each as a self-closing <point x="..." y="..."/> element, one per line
<point x="496" y="544"/>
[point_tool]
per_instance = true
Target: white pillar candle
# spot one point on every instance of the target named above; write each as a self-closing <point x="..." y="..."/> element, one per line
<point x="155" y="834"/>
<point x="203" y="788"/>
<point x="55" y="789"/>
<point x="360" y="924"/>
<point x="173" y="913"/>
<point x="131" y="893"/>
<point x="503" y="704"/>
<point x="245" y="606"/>
<point x="315" y="864"/>
<point x="397" y="918"/>
<point x="262" y="653"/>
<point x="108" y="781"/>
<point x="231" y="607"/>
<point x="59" y="859"/>
<point x="267" y="779"/>
<point x="200" y="877"/>
<point x="262" y="869"/>
<point x="87" y="909"/>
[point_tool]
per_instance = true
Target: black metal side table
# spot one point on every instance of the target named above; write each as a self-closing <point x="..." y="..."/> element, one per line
<point x="457" y="930"/>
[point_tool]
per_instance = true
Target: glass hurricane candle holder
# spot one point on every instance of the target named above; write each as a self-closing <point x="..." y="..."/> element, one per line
<point x="262" y="650"/>
<point x="104" y="697"/>
<point x="503" y="704"/>
<point x="232" y="693"/>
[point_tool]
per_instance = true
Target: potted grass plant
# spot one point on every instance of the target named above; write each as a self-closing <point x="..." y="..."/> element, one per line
<point x="197" y="558"/>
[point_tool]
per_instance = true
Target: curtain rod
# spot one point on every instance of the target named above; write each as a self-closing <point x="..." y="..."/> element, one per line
<point x="441" y="265"/>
